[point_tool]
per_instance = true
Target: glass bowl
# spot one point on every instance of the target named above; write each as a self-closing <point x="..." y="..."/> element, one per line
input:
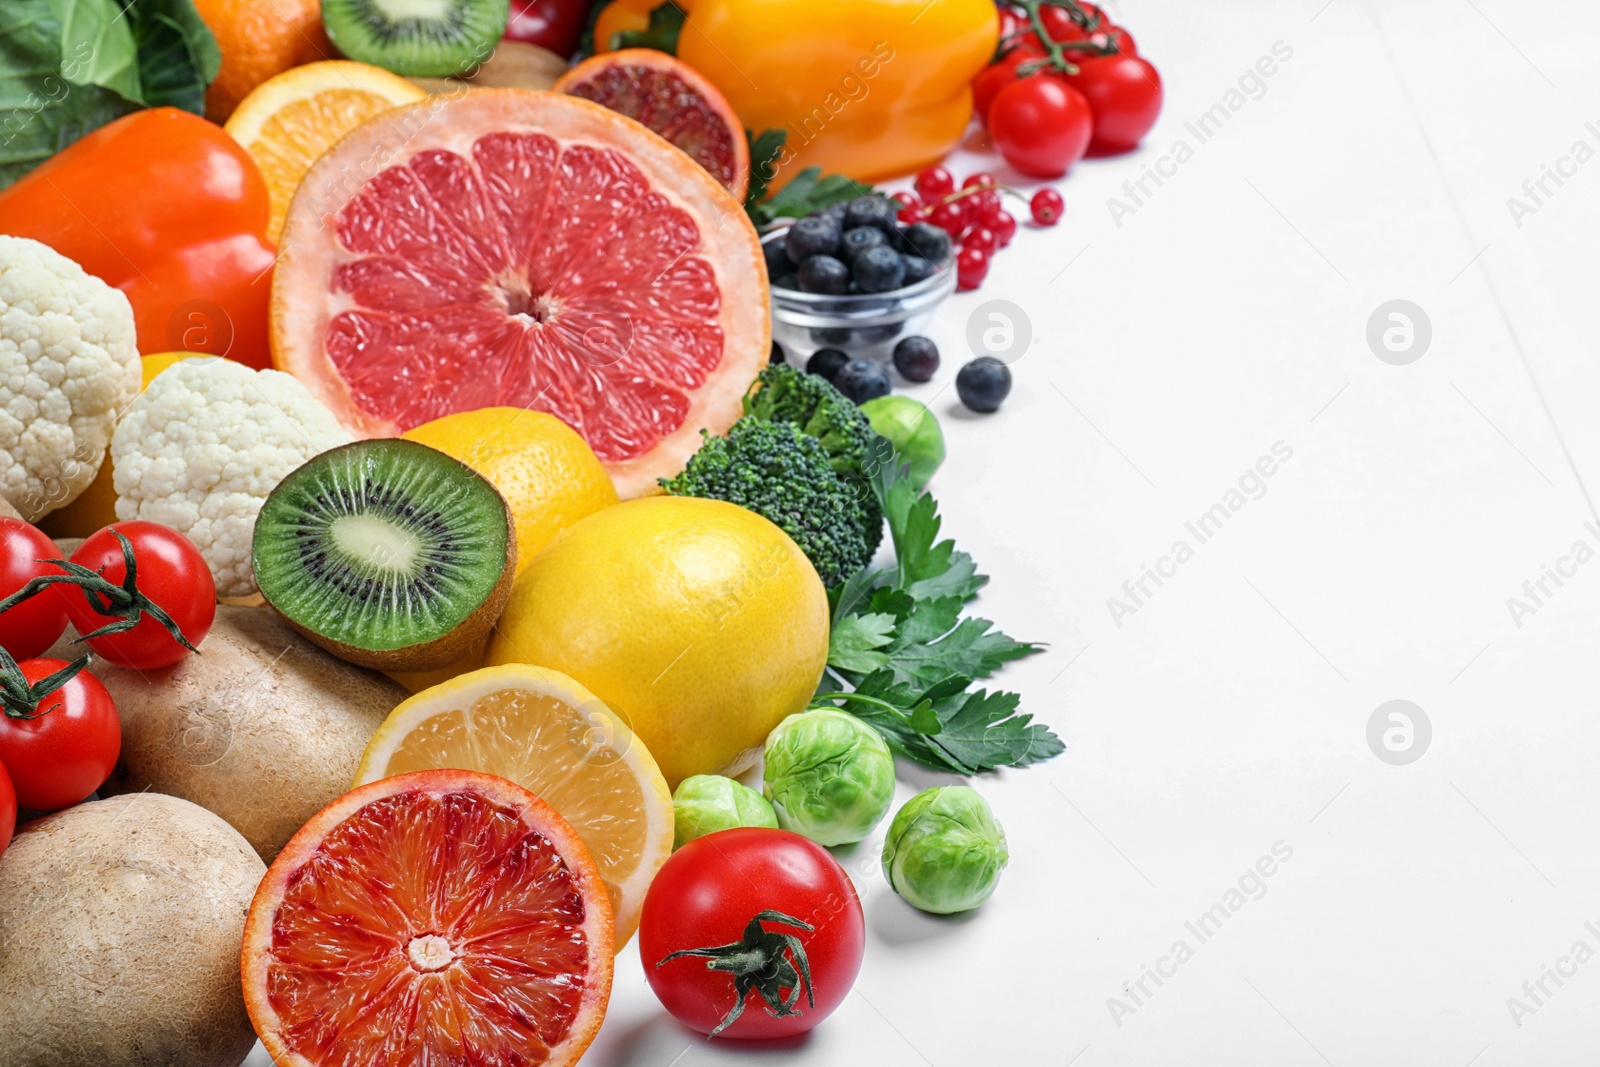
<point x="862" y="324"/>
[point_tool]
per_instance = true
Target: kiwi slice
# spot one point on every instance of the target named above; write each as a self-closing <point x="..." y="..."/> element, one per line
<point x="387" y="553"/>
<point x="434" y="38"/>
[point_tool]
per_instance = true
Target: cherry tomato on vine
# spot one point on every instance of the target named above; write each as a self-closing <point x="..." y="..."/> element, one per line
<point x="1124" y="93"/>
<point x="1041" y="125"/>
<point x="996" y="76"/>
<point x="8" y="810"/>
<point x="766" y="906"/>
<point x="31" y="626"/>
<point x="59" y="731"/>
<point x="173" y="586"/>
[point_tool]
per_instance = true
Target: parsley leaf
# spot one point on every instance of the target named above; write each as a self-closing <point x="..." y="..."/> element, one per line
<point x="900" y="638"/>
<point x="805" y="193"/>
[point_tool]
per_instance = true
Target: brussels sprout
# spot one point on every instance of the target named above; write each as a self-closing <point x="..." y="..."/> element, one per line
<point x="829" y="776"/>
<point x="912" y="429"/>
<point x="705" y="803"/>
<point x="945" y="850"/>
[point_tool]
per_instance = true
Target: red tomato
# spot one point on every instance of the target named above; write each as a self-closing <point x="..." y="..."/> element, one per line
<point x="552" y="24"/>
<point x="996" y="76"/>
<point x="1041" y="125"/>
<point x="744" y="889"/>
<point x="59" y="743"/>
<point x="8" y="810"/>
<point x="1124" y="92"/>
<point x="170" y="574"/>
<point x="29" y="627"/>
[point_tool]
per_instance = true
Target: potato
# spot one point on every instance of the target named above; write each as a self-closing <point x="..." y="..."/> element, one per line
<point x="120" y="927"/>
<point x="262" y="727"/>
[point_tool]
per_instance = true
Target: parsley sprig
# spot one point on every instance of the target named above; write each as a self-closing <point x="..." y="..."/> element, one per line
<point x="902" y="643"/>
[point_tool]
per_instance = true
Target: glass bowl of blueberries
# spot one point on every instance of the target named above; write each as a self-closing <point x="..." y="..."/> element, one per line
<point x="852" y="276"/>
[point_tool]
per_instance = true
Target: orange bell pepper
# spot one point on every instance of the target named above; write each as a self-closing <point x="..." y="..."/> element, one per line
<point x="867" y="88"/>
<point x="168" y="208"/>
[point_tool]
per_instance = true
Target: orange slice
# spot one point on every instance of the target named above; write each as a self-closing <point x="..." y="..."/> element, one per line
<point x="288" y="121"/>
<point x="551" y="736"/>
<point x="431" y="918"/>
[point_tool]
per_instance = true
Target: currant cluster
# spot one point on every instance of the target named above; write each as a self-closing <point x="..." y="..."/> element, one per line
<point x="974" y="216"/>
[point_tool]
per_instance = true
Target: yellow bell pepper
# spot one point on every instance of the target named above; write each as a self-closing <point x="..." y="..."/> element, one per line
<point x="867" y="88"/>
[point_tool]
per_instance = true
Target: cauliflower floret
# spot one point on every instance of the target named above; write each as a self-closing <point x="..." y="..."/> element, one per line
<point x="69" y="364"/>
<point x="203" y="446"/>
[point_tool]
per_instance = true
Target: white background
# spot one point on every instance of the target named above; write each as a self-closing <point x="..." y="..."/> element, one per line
<point x="1225" y="314"/>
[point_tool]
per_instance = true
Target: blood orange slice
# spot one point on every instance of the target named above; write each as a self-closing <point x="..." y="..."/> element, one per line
<point x="518" y="248"/>
<point x="430" y="918"/>
<point x="673" y="99"/>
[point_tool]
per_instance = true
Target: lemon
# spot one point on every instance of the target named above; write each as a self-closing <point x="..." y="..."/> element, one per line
<point x="699" y="622"/>
<point x="96" y="506"/>
<point x="547" y="473"/>
<point x="548" y="734"/>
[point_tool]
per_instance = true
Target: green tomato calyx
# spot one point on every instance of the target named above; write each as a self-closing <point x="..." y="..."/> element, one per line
<point x="764" y="960"/>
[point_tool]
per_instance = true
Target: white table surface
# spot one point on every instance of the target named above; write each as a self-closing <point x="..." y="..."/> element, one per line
<point x="1229" y="712"/>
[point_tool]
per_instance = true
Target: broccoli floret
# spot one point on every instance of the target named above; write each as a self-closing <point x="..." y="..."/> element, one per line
<point x="780" y="473"/>
<point x="811" y="403"/>
<point x="783" y="394"/>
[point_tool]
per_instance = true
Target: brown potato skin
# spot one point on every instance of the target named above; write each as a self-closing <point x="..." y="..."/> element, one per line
<point x="262" y="727"/>
<point x="120" y="927"/>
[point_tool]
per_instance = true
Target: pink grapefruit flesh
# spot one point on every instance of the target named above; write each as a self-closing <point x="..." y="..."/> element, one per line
<point x="512" y="247"/>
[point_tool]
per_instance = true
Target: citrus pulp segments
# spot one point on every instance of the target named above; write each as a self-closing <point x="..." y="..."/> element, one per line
<point x="545" y="732"/>
<point x="445" y="916"/>
<point x="529" y="249"/>
<point x="674" y="100"/>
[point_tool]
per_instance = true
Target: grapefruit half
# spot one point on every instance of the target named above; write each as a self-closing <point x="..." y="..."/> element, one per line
<point x="437" y="917"/>
<point x="507" y="247"/>
<point x="673" y="99"/>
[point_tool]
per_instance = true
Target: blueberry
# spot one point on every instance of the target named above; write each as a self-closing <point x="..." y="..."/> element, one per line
<point x="787" y="281"/>
<point x="778" y="263"/>
<point x="927" y="239"/>
<point x="878" y="270"/>
<point x="826" y="363"/>
<point x="831" y="336"/>
<point x="777" y="354"/>
<point x="862" y="380"/>
<point x="811" y="236"/>
<point x="983" y="384"/>
<point x="856" y="241"/>
<point x="834" y="212"/>
<point x="824" y="274"/>
<point x="917" y="269"/>
<point x="916" y="358"/>
<point x="869" y="211"/>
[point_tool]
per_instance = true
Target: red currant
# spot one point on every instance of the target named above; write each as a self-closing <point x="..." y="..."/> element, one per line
<point x="972" y="266"/>
<point x="981" y="238"/>
<point x="950" y="216"/>
<point x="1004" y="227"/>
<point x="1047" y="207"/>
<point x="981" y="179"/>
<point x="910" y="209"/>
<point x="934" y="183"/>
<point x="984" y="205"/>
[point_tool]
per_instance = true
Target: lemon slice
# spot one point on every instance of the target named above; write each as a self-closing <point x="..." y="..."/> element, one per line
<point x="288" y="121"/>
<point x="548" y="734"/>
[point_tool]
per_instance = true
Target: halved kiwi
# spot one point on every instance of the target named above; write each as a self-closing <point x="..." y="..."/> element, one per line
<point x="436" y="38"/>
<point x="387" y="553"/>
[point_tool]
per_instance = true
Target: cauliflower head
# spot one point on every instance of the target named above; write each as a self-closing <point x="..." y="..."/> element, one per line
<point x="203" y="446"/>
<point x="69" y="365"/>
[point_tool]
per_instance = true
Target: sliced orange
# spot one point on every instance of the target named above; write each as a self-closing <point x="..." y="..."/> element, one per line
<point x="431" y="918"/>
<point x="288" y="121"/>
<point x="550" y="735"/>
